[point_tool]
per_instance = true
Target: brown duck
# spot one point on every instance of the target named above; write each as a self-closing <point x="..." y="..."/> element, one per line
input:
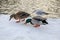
<point x="19" y="15"/>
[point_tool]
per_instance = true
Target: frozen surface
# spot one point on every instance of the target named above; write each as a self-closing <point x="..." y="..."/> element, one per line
<point x="10" y="30"/>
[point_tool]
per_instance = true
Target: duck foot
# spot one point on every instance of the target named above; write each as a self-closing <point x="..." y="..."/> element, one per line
<point x="36" y="25"/>
<point x="18" y="20"/>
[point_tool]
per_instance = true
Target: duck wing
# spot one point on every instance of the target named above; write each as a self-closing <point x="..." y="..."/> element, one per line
<point x="39" y="18"/>
<point x="40" y="12"/>
<point x="22" y="14"/>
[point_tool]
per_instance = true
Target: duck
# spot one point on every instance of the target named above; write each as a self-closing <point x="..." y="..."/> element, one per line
<point x="40" y="12"/>
<point x="19" y="15"/>
<point x="35" y="21"/>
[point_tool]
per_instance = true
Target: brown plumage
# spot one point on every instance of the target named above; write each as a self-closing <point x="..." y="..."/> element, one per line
<point x="19" y="15"/>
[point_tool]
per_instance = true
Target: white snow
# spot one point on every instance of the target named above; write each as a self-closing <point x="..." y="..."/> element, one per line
<point x="10" y="30"/>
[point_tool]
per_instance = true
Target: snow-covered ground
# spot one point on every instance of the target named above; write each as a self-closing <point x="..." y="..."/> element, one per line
<point x="9" y="30"/>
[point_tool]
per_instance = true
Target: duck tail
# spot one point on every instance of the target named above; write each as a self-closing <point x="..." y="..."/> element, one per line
<point x="11" y="16"/>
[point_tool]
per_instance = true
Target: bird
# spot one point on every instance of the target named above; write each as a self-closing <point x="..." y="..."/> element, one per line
<point x="36" y="21"/>
<point x="19" y="15"/>
<point x="40" y="12"/>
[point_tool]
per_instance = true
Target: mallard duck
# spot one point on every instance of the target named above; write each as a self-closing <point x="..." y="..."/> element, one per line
<point x="36" y="21"/>
<point x="19" y="15"/>
<point x="40" y="12"/>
